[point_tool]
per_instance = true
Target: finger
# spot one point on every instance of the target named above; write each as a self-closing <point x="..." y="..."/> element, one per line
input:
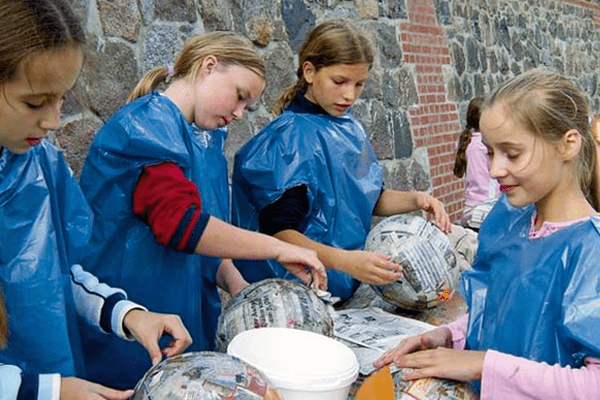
<point x="112" y="394"/>
<point x="417" y="374"/>
<point x="181" y="338"/>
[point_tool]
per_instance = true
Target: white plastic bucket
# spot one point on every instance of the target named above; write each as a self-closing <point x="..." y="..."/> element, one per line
<point x="302" y="365"/>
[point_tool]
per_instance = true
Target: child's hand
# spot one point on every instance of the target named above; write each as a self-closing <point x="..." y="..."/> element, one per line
<point x="78" y="389"/>
<point x="296" y="259"/>
<point x="435" y="207"/>
<point x="369" y="267"/>
<point x="441" y="337"/>
<point x="148" y="327"/>
<point x="460" y="365"/>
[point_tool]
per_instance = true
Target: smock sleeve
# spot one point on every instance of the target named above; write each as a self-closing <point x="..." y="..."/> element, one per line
<point x="15" y="385"/>
<point x="99" y="304"/>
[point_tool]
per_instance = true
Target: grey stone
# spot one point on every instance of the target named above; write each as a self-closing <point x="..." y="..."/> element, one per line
<point x="281" y="73"/>
<point x="74" y="140"/>
<point x="298" y="21"/>
<point x="458" y="56"/>
<point x="160" y="47"/>
<point x="120" y="18"/>
<point x="472" y="55"/>
<point x="169" y="10"/>
<point x="403" y="142"/>
<point x="215" y="15"/>
<point x="109" y="76"/>
<point x="380" y="130"/>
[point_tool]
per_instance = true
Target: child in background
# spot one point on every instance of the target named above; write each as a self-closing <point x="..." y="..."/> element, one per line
<point x="312" y="178"/>
<point x="532" y="328"/>
<point x="45" y="222"/>
<point x="472" y="160"/>
<point x="156" y="179"/>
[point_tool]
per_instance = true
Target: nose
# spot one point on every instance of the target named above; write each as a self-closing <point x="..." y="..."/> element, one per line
<point x="51" y="118"/>
<point x="238" y="113"/>
<point x="496" y="167"/>
<point x="350" y="93"/>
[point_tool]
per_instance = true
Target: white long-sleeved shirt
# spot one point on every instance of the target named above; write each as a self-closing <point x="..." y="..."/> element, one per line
<point x="101" y="306"/>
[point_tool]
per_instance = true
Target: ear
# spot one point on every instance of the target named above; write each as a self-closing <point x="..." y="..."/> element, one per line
<point x="209" y="63"/>
<point x="570" y="145"/>
<point x="308" y="70"/>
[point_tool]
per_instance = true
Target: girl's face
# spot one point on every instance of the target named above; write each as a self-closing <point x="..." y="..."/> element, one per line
<point x="337" y="87"/>
<point x="223" y="92"/>
<point x="30" y="103"/>
<point x="528" y="168"/>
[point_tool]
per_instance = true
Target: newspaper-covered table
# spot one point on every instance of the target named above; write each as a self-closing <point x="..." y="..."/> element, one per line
<point x="368" y="332"/>
<point x="371" y="331"/>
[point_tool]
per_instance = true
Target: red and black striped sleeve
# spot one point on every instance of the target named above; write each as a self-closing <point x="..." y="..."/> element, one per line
<point x="171" y="205"/>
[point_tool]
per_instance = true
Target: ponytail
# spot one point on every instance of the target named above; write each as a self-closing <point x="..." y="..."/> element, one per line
<point x="149" y="82"/>
<point x="460" y="161"/>
<point x="288" y="95"/>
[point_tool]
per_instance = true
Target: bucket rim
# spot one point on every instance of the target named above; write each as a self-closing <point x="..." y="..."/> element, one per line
<point x="311" y="383"/>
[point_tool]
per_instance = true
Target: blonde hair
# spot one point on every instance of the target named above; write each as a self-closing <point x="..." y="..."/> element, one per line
<point x="228" y="47"/>
<point x="32" y="26"/>
<point x="473" y="115"/>
<point x="329" y="43"/>
<point x="549" y="105"/>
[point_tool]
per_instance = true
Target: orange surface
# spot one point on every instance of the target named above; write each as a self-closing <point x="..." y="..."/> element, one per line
<point x="377" y="386"/>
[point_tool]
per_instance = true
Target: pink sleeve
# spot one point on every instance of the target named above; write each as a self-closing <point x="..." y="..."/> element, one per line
<point x="458" y="329"/>
<point x="515" y="378"/>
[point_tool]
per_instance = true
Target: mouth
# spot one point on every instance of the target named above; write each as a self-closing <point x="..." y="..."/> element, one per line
<point x="34" y="141"/>
<point x="342" y="107"/>
<point x="507" y="188"/>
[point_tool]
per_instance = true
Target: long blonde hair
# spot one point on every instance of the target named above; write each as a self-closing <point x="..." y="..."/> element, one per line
<point x="228" y="47"/>
<point x="549" y="105"/>
<point x="329" y="43"/>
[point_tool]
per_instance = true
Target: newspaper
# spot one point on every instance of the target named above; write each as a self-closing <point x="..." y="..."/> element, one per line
<point x="368" y="332"/>
<point x="480" y="212"/>
<point x="371" y="331"/>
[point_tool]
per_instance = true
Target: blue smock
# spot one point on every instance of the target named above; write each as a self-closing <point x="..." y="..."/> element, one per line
<point x="535" y="298"/>
<point x="124" y="252"/>
<point x="44" y="225"/>
<point x="334" y="158"/>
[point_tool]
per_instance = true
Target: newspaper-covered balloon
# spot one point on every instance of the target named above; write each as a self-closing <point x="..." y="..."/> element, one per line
<point x="274" y="302"/>
<point x="204" y="375"/>
<point x="426" y="255"/>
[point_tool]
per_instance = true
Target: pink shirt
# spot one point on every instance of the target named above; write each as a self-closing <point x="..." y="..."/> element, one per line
<point x="516" y="378"/>
<point x="479" y="185"/>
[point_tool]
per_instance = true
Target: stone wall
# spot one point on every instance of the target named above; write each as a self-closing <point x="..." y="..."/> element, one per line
<point x="433" y="56"/>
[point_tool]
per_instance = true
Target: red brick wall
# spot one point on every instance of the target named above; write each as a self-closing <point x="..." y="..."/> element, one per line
<point x="435" y="122"/>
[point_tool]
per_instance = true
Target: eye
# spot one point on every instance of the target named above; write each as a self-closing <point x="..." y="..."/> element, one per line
<point x="34" y="106"/>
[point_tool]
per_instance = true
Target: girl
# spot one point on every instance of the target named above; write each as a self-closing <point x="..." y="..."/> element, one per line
<point x="472" y="160"/>
<point x="156" y="178"/>
<point x="532" y="331"/>
<point x="45" y="222"/>
<point x="312" y="178"/>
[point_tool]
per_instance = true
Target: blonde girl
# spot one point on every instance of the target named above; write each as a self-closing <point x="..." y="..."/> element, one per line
<point x="312" y="178"/>
<point x="156" y="180"/>
<point x="45" y="222"/>
<point x="532" y="329"/>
